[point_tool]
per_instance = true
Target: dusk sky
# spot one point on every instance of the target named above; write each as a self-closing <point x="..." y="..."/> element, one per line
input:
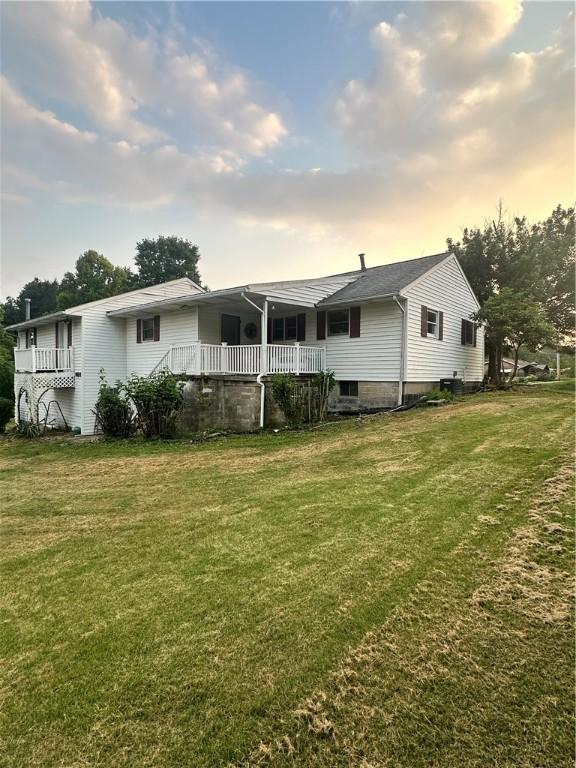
<point x="282" y="138"/>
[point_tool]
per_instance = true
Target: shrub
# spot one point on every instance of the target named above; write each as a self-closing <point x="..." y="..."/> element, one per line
<point x="158" y="400"/>
<point x="439" y="394"/>
<point x="6" y="376"/>
<point x="113" y="411"/>
<point x="302" y="402"/>
<point x="6" y="412"/>
<point x="28" y="429"/>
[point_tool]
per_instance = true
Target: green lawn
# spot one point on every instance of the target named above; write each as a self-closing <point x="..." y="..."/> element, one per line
<point x="393" y="591"/>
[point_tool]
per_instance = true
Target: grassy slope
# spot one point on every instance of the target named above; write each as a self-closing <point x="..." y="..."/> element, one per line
<point x="389" y="592"/>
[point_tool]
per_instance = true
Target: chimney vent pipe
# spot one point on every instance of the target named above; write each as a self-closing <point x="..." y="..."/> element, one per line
<point x="28" y="302"/>
<point x="362" y="262"/>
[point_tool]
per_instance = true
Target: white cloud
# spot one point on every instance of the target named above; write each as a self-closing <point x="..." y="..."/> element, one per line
<point x="446" y="124"/>
<point x="126" y="83"/>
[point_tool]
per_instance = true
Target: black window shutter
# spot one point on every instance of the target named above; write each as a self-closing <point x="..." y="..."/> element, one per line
<point x="423" y="321"/>
<point x="354" y="322"/>
<point x="69" y="340"/>
<point x="56" y="336"/>
<point x="440" y="326"/>
<point x="269" y="329"/>
<point x="320" y="325"/>
<point x="301" y="327"/>
<point x="156" y="327"/>
<point x="474" y="332"/>
<point x="138" y="331"/>
<point x="463" y="333"/>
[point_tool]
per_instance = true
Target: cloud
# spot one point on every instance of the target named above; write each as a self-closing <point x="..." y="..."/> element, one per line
<point x="447" y="123"/>
<point x="135" y="87"/>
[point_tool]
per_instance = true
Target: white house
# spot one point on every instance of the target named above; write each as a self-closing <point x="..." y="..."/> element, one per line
<point x="387" y="332"/>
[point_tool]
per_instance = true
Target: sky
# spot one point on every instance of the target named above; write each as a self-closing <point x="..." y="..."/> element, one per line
<point x="283" y="138"/>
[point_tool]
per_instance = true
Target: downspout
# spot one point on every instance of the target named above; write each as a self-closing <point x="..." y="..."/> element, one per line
<point x="402" y="353"/>
<point x="263" y="334"/>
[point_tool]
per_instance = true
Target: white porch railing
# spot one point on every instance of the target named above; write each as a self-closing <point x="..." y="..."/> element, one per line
<point x="242" y="359"/>
<point x="35" y="359"/>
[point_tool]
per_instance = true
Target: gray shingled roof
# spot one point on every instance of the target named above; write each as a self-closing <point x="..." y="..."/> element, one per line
<point x="385" y="280"/>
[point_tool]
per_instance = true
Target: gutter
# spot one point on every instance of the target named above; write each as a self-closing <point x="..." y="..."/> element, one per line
<point x="402" y="352"/>
<point x="263" y="334"/>
<point x="356" y="300"/>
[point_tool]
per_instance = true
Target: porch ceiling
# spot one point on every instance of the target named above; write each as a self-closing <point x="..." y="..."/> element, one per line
<point x="226" y="298"/>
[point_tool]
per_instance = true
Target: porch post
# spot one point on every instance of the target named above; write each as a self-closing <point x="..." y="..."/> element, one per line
<point x="297" y="345"/>
<point x="33" y="366"/>
<point x="264" y="339"/>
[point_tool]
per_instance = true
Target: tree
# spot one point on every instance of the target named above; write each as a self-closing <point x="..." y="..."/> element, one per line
<point x="43" y="295"/>
<point x="537" y="260"/>
<point x="512" y="320"/>
<point x="166" y="258"/>
<point x="94" y="278"/>
<point x="6" y="362"/>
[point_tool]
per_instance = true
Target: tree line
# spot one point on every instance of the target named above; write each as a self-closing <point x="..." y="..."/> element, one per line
<point x="95" y="277"/>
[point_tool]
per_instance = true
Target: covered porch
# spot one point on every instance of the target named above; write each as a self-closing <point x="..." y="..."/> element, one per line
<point x="244" y="331"/>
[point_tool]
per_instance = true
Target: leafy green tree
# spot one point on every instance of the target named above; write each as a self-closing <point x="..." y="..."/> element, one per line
<point x="6" y="362"/>
<point x="537" y="260"/>
<point x="94" y="278"/>
<point x="43" y="295"/>
<point x="166" y="258"/>
<point x="512" y="320"/>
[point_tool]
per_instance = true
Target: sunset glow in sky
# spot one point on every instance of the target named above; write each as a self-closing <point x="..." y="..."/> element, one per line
<point x="282" y="138"/>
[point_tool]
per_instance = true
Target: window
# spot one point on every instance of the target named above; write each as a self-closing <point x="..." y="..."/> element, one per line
<point x="432" y="322"/>
<point x="339" y="322"/>
<point x="278" y="329"/>
<point x="30" y="337"/>
<point x="468" y="332"/>
<point x="148" y="329"/>
<point x="349" y="389"/>
<point x="285" y="328"/>
<point x="290" y="330"/>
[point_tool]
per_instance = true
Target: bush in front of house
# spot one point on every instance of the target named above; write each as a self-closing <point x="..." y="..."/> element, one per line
<point x="158" y="400"/>
<point x="113" y="410"/>
<point x="439" y="394"/>
<point x="6" y="412"/>
<point x="302" y="402"/>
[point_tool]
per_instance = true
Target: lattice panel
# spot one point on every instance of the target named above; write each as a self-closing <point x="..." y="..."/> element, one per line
<point x="53" y="381"/>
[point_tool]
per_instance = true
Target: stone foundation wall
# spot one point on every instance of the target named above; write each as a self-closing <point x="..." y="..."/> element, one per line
<point x="233" y="403"/>
<point x="414" y="389"/>
<point x="221" y="403"/>
<point x="227" y="402"/>
<point x="372" y="396"/>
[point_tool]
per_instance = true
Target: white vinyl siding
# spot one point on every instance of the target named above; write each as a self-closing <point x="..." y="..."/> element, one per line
<point x="210" y="320"/>
<point x="375" y="355"/>
<point x="179" y="327"/>
<point x="104" y="343"/>
<point x="443" y="289"/>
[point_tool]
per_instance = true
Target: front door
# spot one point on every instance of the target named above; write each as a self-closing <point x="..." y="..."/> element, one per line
<point x="230" y="331"/>
<point x="63" y="340"/>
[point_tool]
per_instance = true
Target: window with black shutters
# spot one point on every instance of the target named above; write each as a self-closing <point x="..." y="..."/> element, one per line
<point x="339" y="322"/>
<point x="285" y="328"/>
<point x="467" y="332"/>
<point x="148" y="329"/>
<point x="290" y="328"/>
